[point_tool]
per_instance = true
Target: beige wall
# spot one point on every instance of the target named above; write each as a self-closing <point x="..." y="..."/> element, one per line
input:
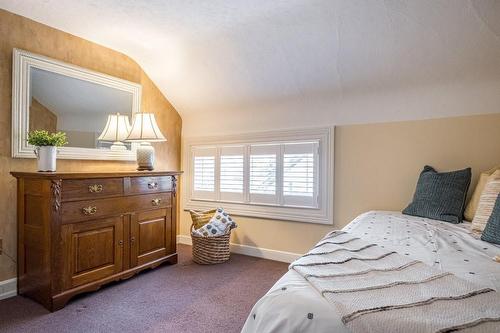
<point x="376" y="167"/>
<point x="19" y="32"/>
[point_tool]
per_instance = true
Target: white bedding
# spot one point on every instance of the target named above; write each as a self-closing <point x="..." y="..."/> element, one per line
<point x="293" y="305"/>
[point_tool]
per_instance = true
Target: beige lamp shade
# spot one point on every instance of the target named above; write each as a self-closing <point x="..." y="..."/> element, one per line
<point x="117" y="128"/>
<point x="145" y="128"/>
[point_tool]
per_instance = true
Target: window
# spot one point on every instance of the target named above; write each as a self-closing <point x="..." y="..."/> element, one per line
<point x="232" y="175"/>
<point x="263" y="173"/>
<point x="299" y="173"/>
<point x="283" y="176"/>
<point x="204" y="172"/>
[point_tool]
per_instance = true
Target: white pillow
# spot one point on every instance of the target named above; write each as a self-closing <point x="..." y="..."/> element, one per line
<point x="487" y="202"/>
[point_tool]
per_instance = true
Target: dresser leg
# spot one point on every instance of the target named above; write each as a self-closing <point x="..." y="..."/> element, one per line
<point x="59" y="303"/>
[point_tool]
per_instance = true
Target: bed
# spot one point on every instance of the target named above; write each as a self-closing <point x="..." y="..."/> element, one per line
<point x="293" y="304"/>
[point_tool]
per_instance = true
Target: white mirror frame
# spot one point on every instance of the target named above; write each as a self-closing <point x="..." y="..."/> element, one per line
<point x="23" y="61"/>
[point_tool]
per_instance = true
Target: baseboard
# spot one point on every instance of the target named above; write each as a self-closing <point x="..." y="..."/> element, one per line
<point x="252" y="251"/>
<point x="183" y="239"/>
<point x="8" y="288"/>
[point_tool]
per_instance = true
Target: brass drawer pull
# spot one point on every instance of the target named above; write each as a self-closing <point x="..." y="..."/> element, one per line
<point x="96" y="188"/>
<point x="120" y="242"/>
<point x="90" y="210"/>
<point x="132" y="240"/>
<point x="153" y="185"/>
<point x="156" y="202"/>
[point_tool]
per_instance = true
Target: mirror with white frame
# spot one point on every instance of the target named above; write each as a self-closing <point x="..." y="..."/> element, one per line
<point x="93" y="109"/>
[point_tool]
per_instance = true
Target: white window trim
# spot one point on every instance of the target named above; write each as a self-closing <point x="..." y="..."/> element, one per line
<point x="321" y="215"/>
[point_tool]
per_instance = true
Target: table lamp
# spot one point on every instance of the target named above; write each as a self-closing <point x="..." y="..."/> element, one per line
<point x="116" y="130"/>
<point x="145" y="130"/>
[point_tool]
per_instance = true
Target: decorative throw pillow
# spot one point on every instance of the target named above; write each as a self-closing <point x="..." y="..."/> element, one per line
<point x="487" y="202"/>
<point x="440" y="195"/>
<point x="220" y="224"/>
<point x="200" y="218"/>
<point x="491" y="232"/>
<point x="471" y="208"/>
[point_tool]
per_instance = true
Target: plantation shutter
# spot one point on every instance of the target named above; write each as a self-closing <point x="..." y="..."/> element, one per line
<point x="300" y="174"/>
<point x="232" y="176"/>
<point x="263" y="180"/>
<point x="204" y="186"/>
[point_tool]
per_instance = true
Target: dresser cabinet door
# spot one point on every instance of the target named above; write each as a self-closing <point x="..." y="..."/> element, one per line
<point x="93" y="250"/>
<point x="150" y="236"/>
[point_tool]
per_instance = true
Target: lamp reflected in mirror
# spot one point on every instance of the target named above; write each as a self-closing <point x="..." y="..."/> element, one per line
<point x="116" y="130"/>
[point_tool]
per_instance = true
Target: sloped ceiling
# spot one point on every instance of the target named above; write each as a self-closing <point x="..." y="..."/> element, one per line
<point x="271" y="59"/>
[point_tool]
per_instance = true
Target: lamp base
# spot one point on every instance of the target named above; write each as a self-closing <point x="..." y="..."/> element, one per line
<point x="144" y="169"/>
<point x="118" y="146"/>
<point x="145" y="157"/>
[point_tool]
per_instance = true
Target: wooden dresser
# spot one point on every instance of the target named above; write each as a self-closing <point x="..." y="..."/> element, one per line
<point x="78" y="231"/>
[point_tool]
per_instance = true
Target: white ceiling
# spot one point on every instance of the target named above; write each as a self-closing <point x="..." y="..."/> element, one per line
<point x="216" y="58"/>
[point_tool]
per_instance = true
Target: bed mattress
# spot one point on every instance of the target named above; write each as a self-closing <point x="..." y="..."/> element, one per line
<point x="293" y="305"/>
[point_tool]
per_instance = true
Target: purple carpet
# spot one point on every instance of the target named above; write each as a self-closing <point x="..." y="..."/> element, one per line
<point x="181" y="298"/>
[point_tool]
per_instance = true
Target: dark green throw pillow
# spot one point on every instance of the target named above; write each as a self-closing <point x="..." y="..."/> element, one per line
<point x="440" y="195"/>
<point x="491" y="232"/>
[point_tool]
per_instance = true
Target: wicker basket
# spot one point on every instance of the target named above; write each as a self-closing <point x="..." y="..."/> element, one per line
<point x="210" y="250"/>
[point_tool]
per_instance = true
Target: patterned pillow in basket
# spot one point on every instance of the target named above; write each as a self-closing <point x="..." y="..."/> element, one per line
<point x="220" y="224"/>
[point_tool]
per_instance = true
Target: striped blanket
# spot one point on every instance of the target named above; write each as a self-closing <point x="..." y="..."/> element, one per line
<point x="377" y="290"/>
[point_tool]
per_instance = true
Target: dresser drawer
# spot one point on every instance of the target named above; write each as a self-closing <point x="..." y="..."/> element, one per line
<point x="78" y="189"/>
<point x="77" y="211"/>
<point x="142" y="185"/>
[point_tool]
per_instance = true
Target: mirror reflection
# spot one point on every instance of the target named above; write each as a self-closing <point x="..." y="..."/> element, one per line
<point x="91" y="115"/>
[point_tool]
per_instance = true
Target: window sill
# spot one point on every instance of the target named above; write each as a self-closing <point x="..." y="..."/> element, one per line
<point x="296" y="214"/>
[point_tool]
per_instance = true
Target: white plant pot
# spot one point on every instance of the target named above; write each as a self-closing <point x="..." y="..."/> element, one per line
<point x="46" y="156"/>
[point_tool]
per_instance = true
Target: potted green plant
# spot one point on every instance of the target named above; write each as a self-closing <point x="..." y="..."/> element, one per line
<point x="46" y="147"/>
